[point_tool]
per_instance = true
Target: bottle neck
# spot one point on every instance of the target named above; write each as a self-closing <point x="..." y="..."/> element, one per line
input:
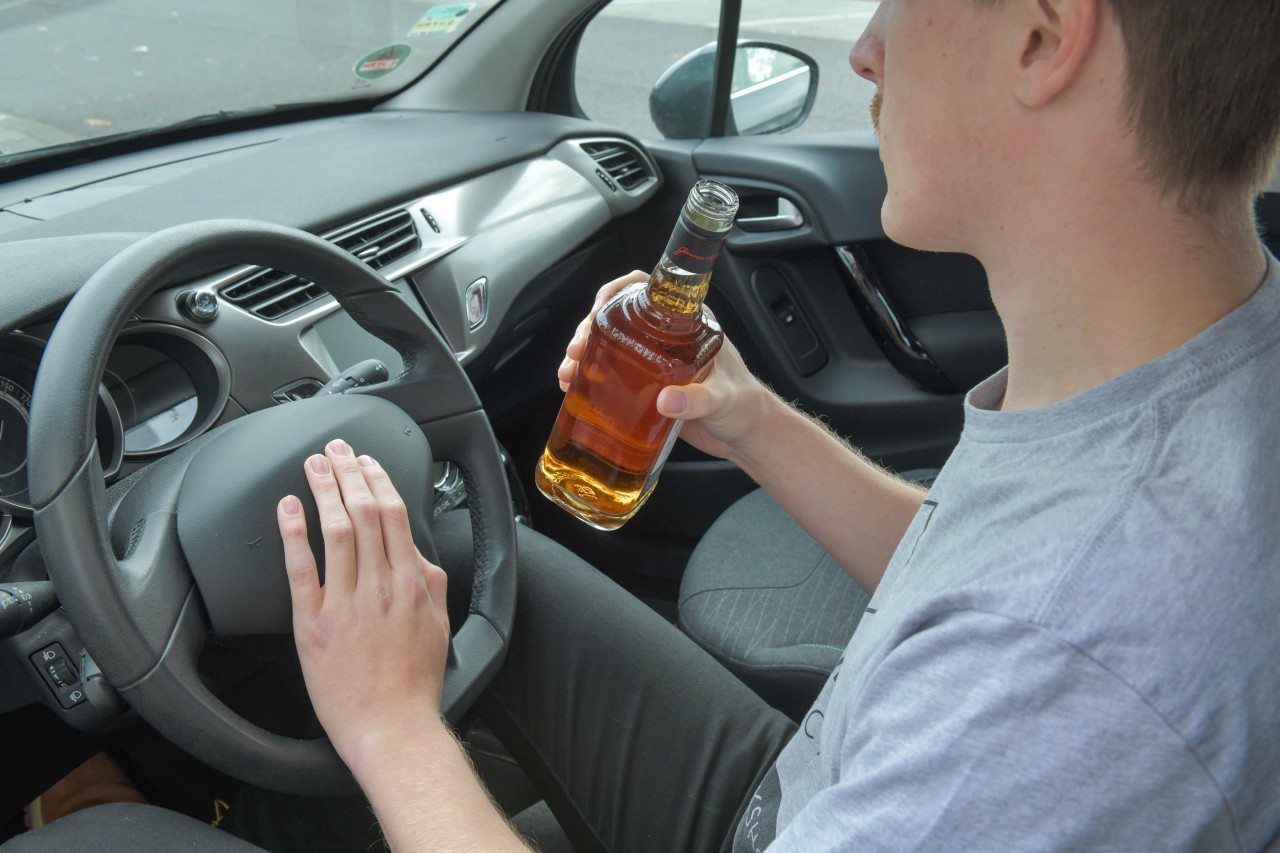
<point x="675" y="290"/>
<point x="679" y="282"/>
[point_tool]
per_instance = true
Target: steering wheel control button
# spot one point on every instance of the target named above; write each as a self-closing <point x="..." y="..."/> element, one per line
<point x="477" y="303"/>
<point x="198" y="305"/>
<point x="59" y="675"/>
<point x="24" y="604"/>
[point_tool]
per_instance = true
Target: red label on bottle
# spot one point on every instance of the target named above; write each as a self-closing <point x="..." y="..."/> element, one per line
<point x="692" y="248"/>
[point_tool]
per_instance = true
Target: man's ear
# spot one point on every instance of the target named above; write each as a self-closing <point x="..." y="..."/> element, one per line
<point x="1055" y="39"/>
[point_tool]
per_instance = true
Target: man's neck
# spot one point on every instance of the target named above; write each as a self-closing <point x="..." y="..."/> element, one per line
<point x="1088" y="297"/>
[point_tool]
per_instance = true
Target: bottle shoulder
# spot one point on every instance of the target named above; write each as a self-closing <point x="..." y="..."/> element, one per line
<point x="631" y="312"/>
<point x="619" y="333"/>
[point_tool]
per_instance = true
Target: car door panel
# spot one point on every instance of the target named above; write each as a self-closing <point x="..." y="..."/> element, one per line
<point x="790" y="303"/>
<point x="935" y="321"/>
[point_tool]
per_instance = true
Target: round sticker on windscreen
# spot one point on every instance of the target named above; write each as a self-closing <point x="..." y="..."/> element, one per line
<point x="382" y="61"/>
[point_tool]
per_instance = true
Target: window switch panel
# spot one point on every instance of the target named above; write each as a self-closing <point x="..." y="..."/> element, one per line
<point x="806" y="351"/>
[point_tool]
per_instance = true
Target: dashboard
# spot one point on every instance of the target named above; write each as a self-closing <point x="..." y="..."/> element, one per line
<point x="461" y="213"/>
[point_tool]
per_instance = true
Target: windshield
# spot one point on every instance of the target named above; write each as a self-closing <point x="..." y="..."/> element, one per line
<point x="82" y="69"/>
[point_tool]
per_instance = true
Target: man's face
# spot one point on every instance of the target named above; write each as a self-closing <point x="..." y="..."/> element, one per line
<point x="938" y="114"/>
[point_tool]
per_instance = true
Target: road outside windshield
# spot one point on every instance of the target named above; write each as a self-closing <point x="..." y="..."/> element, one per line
<point x="79" y="69"/>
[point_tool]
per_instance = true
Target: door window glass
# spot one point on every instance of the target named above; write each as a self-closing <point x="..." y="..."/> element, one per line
<point x="628" y="46"/>
<point x="825" y="31"/>
<point x="632" y="43"/>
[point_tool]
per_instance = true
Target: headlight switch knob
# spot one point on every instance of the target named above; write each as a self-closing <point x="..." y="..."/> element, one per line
<point x="199" y="305"/>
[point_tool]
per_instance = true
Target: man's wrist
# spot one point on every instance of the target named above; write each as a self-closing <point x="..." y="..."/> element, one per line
<point x="413" y="763"/>
<point x="376" y="755"/>
<point x="766" y="436"/>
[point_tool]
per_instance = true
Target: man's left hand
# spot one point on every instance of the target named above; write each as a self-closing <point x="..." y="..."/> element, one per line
<point x="374" y="638"/>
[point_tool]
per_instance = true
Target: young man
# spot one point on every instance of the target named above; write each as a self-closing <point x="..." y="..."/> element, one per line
<point x="1073" y="641"/>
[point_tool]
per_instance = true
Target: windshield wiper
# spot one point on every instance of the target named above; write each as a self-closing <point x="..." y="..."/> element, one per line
<point x="220" y="115"/>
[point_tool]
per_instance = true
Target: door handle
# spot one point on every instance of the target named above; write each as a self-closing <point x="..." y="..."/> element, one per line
<point x="881" y="307"/>
<point x="902" y="348"/>
<point x="788" y="216"/>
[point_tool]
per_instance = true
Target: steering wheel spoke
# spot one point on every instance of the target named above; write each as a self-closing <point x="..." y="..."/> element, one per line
<point x="154" y="576"/>
<point x="180" y="705"/>
<point x="126" y="611"/>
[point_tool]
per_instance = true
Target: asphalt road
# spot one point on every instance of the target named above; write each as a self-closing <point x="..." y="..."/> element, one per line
<point x="71" y="69"/>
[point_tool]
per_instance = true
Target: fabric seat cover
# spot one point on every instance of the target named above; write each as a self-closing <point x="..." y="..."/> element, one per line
<point x="764" y="598"/>
<point x="767" y="601"/>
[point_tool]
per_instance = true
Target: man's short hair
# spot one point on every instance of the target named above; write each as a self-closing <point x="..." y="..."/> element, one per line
<point x="1203" y="94"/>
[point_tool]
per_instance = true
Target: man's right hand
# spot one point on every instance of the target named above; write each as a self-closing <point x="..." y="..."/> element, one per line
<point x="719" y="414"/>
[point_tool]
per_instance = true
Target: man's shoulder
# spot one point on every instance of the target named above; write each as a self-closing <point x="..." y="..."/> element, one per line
<point x="1217" y="427"/>
<point x="1138" y="547"/>
<point x="1189" y="541"/>
<point x="1180" y="569"/>
<point x="1177" y="593"/>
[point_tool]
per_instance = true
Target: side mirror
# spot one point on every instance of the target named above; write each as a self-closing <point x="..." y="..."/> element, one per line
<point x="773" y="91"/>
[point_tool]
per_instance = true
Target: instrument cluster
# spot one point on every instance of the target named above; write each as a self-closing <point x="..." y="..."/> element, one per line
<point x="162" y="386"/>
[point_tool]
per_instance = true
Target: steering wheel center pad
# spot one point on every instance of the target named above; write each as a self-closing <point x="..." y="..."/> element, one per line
<point x="227" y="505"/>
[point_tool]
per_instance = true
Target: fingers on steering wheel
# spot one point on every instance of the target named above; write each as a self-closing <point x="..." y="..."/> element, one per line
<point x="361" y="509"/>
<point x="397" y="538"/>
<point x="299" y="562"/>
<point x="335" y="526"/>
<point x="437" y="586"/>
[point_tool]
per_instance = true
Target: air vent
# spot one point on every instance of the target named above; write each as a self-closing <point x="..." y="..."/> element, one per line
<point x="620" y="162"/>
<point x="383" y="241"/>
<point x="270" y="294"/>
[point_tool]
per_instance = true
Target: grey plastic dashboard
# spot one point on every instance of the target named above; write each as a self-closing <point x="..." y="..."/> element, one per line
<point x="313" y="175"/>
<point x="493" y="200"/>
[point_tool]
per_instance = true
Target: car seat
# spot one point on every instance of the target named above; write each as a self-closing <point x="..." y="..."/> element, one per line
<point x="769" y="603"/>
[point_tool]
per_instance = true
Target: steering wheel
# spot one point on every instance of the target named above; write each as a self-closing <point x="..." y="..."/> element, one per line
<point x="189" y="546"/>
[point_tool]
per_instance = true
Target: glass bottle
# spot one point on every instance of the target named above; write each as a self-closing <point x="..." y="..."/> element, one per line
<point x="609" y="443"/>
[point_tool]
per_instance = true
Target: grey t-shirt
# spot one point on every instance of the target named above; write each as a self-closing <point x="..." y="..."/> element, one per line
<point x="1077" y="643"/>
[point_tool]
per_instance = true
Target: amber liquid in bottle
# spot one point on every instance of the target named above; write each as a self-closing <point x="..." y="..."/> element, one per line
<point x="609" y="443"/>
